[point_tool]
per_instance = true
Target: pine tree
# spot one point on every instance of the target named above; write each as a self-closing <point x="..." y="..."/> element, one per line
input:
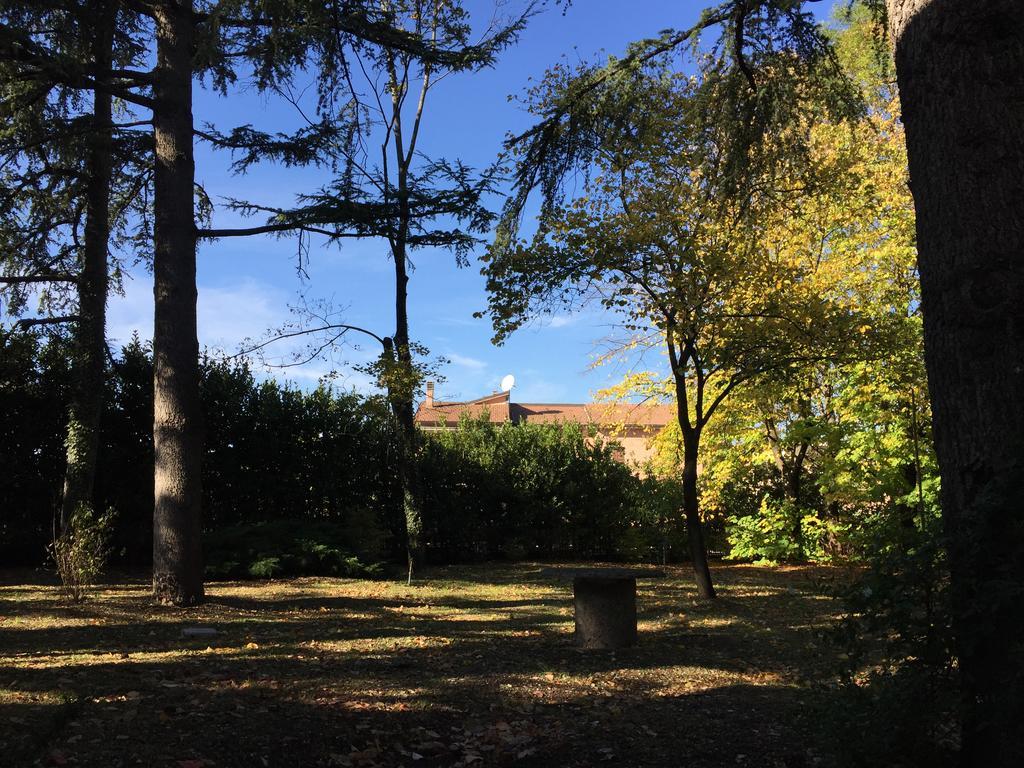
<point x="71" y="179"/>
<point x="217" y="39"/>
<point x="403" y="198"/>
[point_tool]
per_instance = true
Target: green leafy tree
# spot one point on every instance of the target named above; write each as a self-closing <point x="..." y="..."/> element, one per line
<point x="35" y="384"/>
<point x="843" y="441"/>
<point x="952" y="86"/>
<point x="659" y="237"/>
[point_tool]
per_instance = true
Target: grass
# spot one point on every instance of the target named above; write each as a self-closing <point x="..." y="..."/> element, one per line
<point x="475" y="667"/>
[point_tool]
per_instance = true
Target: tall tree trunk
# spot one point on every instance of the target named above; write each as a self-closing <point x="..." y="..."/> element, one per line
<point x="402" y="407"/>
<point x="86" y="405"/>
<point x="960" y="67"/>
<point x="177" y="416"/>
<point x="691" y="509"/>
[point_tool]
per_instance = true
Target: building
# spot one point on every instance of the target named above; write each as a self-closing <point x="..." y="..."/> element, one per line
<point x="631" y="426"/>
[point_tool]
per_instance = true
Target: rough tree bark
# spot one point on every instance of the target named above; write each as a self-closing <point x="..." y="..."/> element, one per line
<point x="960" y="67"/>
<point x="86" y="404"/>
<point x="177" y="416"/>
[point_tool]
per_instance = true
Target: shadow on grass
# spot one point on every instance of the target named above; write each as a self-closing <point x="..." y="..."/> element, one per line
<point x="461" y="673"/>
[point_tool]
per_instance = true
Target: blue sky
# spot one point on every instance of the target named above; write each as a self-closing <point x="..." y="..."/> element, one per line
<point x="247" y="284"/>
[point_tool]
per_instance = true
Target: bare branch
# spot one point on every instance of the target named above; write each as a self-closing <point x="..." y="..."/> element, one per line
<point x="305" y="332"/>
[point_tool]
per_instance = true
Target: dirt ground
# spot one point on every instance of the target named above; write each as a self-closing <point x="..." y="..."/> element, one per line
<point x="474" y="667"/>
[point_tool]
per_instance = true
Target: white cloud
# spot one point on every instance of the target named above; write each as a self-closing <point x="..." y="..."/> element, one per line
<point x="226" y="315"/>
<point x="532" y="387"/>
<point x="560" y="321"/>
<point x="458" y="321"/>
<point x="309" y="375"/>
<point x="133" y="312"/>
<point x="466" y="362"/>
<point x="246" y="310"/>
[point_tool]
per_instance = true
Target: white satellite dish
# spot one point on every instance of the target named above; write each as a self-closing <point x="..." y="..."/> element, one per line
<point x="507" y="383"/>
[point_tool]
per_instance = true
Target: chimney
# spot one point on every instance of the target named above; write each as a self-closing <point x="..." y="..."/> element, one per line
<point x="430" y="394"/>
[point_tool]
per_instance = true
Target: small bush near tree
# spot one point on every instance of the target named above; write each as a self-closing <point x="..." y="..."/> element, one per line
<point x="775" y="534"/>
<point x="80" y="551"/>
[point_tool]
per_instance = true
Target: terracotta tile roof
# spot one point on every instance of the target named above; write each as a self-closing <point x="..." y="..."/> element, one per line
<point x="434" y="413"/>
<point x="499" y="409"/>
<point x="601" y="414"/>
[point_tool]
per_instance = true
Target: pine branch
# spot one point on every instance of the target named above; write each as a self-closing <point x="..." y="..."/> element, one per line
<point x="640" y="56"/>
<point x="42" y="278"/>
<point x="29" y="322"/>
<point x="360" y="25"/>
<point x="214" y="234"/>
<point x="43" y="65"/>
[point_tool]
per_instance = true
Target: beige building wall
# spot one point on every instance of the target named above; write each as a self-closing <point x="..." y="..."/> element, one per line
<point x="637" y="449"/>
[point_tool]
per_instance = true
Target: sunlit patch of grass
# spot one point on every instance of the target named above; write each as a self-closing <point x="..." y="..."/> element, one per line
<point x="338" y="660"/>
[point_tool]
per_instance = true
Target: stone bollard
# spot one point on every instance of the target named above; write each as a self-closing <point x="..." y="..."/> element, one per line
<point x="605" y="611"/>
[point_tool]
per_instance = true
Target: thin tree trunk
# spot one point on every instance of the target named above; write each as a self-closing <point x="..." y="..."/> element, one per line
<point x="916" y="437"/>
<point x="86" y="405"/>
<point x="177" y="426"/>
<point x="402" y="407"/>
<point x="691" y="450"/>
<point x="794" y="491"/>
<point x="960" y="67"/>
<point x="410" y="496"/>
<point x="402" y="398"/>
<point x="691" y="508"/>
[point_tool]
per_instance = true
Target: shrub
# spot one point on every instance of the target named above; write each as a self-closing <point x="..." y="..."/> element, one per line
<point x="539" y="490"/>
<point x="81" y="550"/>
<point x="771" y="535"/>
<point x="656" y="532"/>
<point x="283" y="548"/>
<point x="898" y="695"/>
